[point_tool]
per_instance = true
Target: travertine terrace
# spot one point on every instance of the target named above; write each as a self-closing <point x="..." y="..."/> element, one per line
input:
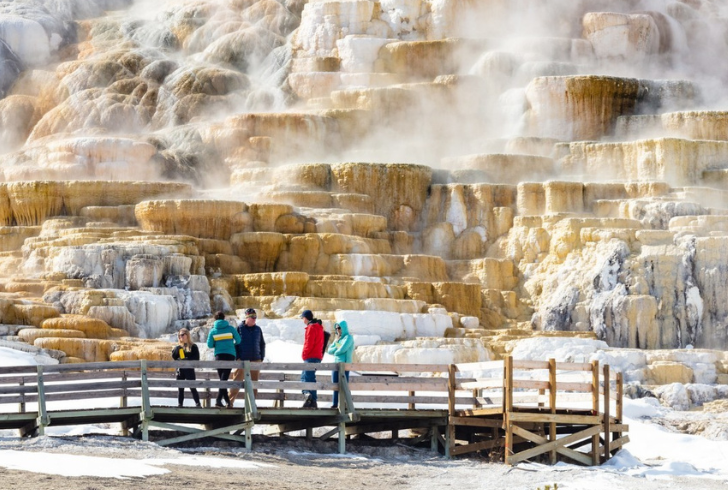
<point x="445" y="174"/>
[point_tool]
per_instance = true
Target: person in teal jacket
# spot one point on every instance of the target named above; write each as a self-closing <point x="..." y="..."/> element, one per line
<point x="342" y="348"/>
<point x="223" y="338"/>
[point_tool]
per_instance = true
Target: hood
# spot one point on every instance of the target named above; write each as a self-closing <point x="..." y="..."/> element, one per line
<point x="221" y="324"/>
<point x="344" y="328"/>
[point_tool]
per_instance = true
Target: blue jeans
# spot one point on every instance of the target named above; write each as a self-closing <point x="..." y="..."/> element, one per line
<point x="335" y="379"/>
<point x="310" y="377"/>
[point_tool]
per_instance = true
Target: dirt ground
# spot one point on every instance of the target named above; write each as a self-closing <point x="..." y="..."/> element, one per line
<point x="292" y="465"/>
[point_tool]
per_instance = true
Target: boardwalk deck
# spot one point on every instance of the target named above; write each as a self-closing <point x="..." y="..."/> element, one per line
<point x="524" y="410"/>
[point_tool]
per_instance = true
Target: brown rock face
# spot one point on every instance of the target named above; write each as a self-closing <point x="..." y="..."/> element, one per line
<point x="579" y="107"/>
<point x="398" y="190"/>
<point x="204" y="219"/>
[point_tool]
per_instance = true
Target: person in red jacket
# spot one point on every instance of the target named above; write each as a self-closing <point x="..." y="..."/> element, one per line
<point x="313" y="352"/>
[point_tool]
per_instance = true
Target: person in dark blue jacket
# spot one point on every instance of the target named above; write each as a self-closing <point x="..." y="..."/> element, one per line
<point x="251" y="348"/>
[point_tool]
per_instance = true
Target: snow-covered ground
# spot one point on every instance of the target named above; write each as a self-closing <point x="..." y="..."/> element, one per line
<point x="655" y="452"/>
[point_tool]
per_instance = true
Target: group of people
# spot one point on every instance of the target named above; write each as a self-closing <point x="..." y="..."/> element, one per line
<point x="246" y="343"/>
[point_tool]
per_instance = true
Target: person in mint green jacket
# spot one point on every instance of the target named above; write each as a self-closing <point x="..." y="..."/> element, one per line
<point x="342" y="348"/>
<point x="223" y="338"/>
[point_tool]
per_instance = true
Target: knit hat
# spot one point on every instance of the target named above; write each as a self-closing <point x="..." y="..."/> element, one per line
<point x="307" y="314"/>
<point x="250" y="313"/>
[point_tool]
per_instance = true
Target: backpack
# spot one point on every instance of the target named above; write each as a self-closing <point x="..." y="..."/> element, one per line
<point x="327" y="336"/>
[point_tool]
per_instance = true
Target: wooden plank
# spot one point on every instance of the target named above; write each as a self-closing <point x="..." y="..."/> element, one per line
<point x="6" y="370"/>
<point x="88" y="387"/>
<point x="402" y="399"/>
<point x="10" y="399"/>
<point x="573" y="366"/>
<point x="476" y="412"/>
<point x="15" y="380"/>
<point x="398" y="368"/>
<point x="93" y="366"/>
<point x="18" y="389"/>
<point x="91" y="413"/>
<point x="581" y="387"/>
<point x="476" y="446"/>
<point x="402" y="413"/>
<point x="529" y="384"/>
<point x="476" y="422"/>
<point x="618" y="443"/>
<point x="558" y="445"/>
<point x="556" y="418"/>
<point x="262" y="385"/>
<point x="619" y="427"/>
<point x="84" y="376"/>
<point x="84" y="395"/>
<point x="480" y="383"/>
<point x="414" y="386"/>
<point x="530" y="365"/>
<point x="479" y="366"/>
<point x="200" y="383"/>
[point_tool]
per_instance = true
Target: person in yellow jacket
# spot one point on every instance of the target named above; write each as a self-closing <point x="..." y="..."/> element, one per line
<point x="186" y="350"/>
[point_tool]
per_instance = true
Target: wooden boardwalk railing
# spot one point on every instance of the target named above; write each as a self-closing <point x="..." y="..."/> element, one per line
<point x="524" y="409"/>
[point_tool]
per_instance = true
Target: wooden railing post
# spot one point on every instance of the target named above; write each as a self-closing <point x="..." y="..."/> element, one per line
<point x="343" y="408"/>
<point x="146" y="402"/>
<point x="595" y="410"/>
<point x="508" y="406"/>
<point x="123" y="403"/>
<point x="43" y="420"/>
<point x="450" y="435"/>
<point x="21" y="408"/>
<point x="208" y="392"/>
<point x="251" y="408"/>
<point x="606" y="413"/>
<point x="553" y="388"/>
<point x="620" y="395"/>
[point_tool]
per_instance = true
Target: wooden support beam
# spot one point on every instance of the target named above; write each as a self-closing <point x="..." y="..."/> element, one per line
<point x="558" y="445"/>
<point x="192" y="430"/>
<point x="616" y="444"/>
<point x="476" y="422"/>
<point x="302" y="425"/>
<point x="330" y="433"/>
<point x="475" y="446"/>
<point x="199" y="434"/>
<point x="557" y="418"/>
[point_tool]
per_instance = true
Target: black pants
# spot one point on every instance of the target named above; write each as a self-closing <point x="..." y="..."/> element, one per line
<point x="188" y="375"/>
<point x="224" y="375"/>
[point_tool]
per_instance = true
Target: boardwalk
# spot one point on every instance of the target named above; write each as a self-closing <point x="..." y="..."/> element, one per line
<point x="524" y="410"/>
